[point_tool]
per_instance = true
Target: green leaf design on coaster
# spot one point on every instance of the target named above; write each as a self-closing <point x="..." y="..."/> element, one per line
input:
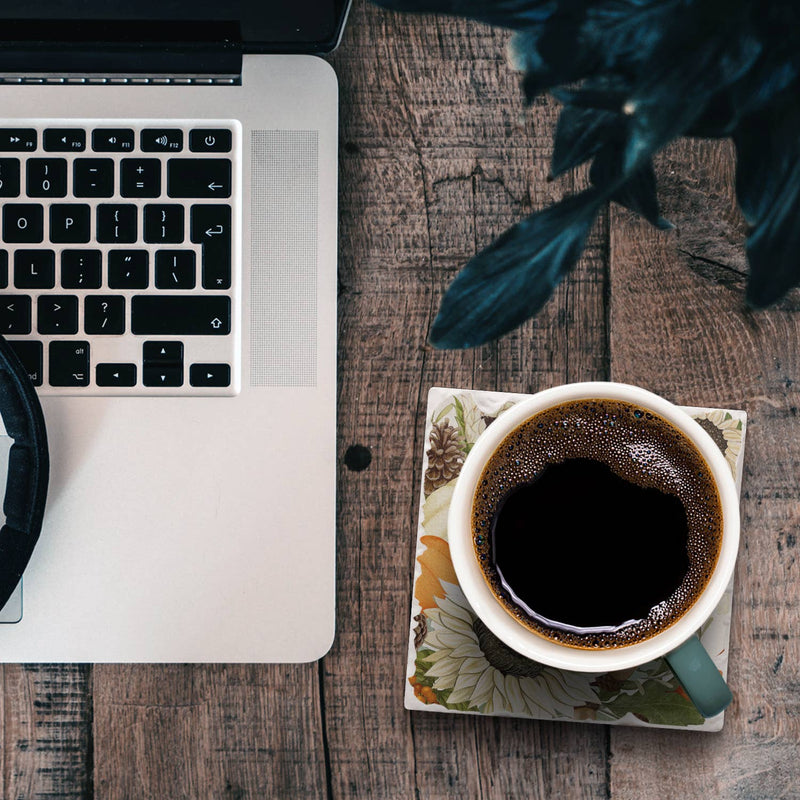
<point x="656" y="703"/>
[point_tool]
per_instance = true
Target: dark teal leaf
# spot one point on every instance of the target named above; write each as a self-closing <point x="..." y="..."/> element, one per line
<point x="774" y="244"/>
<point x="636" y="192"/>
<point x="767" y="149"/>
<point x="582" y="132"/>
<point x="768" y="190"/>
<point x="701" y="51"/>
<point x="773" y="73"/>
<point x="511" y="280"/>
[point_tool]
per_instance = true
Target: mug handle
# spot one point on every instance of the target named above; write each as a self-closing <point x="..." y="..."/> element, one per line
<point x="700" y="677"/>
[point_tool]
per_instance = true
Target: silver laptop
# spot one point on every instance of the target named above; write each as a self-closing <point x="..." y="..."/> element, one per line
<point x="168" y="179"/>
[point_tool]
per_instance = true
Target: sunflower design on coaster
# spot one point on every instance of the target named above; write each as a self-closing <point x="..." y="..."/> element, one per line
<point x="457" y="665"/>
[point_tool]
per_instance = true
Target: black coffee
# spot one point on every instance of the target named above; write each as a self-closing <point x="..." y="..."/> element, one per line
<point x="597" y="523"/>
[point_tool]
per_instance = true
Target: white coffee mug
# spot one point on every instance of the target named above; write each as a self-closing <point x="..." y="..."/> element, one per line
<point x="677" y="642"/>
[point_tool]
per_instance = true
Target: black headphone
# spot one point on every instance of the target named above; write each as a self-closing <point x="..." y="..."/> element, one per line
<point x="28" y="470"/>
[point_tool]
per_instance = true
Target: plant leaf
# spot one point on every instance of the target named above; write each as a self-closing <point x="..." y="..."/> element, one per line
<point x="767" y="147"/>
<point x="638" y="192"/>
<point x="513" y="277"/>
<point x="774" y="244"/>
<point x="768" y="190"/>
<point x="580" y="133"/>
<point x="700" y="52"/>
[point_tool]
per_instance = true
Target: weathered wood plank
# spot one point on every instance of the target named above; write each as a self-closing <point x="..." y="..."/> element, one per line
<point x="189" y="731"/>
<point x="47" y="731"/>
<point x="437" y="159"/>
<point x="679" y="327"/>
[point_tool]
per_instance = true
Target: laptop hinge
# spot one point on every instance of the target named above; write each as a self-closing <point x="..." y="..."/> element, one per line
<point x="70" y="51"/>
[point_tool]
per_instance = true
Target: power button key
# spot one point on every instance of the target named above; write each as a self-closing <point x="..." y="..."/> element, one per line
<point x="210" y="140"/>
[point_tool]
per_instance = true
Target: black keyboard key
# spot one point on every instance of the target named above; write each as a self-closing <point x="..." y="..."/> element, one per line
<point x="163" y="224"/>
<point x="57" y="314"/>
<point x="140" y="177"/>
<point x="46" y="177"/>
<point x="210" y="140"/>
<point x="15" y="314"/>
<point x="156" y="353"/>
<point x="23" y="223"/>
<point x="69" y="363"/>
<point x="181" y="315"/>
<point x="9" y="177"/>
<point x="162" y="140"/>
<point x="116" y="224"/>
<point x="3" y="269"/>
<point x="17" y="140"/>
<point x="81" y="269"/>
<point x="162" y="375"/>
<point x="30" y="354"/>
<point x="112" y="140"/>
<point x="128" y="269"/>
<point x="175" y="269"/>
<point x="62" y="140"/>
<point x="69" y="223"/>
<point x="199" y="177"/>
<point x="210" y="375"/>
<point x="211" y="227"/>
<point x="34" y="269"/>
<point x="115" y="374"/>
<point x="93" y="177"/>
<point x="104" y="314"/>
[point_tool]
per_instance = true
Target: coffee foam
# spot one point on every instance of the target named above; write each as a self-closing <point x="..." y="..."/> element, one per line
<point x="637" y="445"/>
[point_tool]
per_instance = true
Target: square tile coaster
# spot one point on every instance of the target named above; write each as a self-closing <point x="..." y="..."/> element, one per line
<point x="455" y="665"/>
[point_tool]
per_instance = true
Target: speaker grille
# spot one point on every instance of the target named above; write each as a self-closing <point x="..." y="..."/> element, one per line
<point x="283" y="258"/>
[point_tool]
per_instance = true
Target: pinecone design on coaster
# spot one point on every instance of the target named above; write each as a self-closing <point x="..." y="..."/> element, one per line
<point x="445" y="456"/>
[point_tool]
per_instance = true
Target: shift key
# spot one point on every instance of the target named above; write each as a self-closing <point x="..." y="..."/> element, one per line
<point x="181" y="315"/>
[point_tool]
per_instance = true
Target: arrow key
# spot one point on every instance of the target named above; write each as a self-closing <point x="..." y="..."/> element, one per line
<point x="115" y="374"/>
<point x="168" y="375"/>
<point x="155" y="353"/>
<point x="210" y="375"/>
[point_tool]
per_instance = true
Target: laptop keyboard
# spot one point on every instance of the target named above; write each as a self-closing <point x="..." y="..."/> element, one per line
<point x="119" y="260"/>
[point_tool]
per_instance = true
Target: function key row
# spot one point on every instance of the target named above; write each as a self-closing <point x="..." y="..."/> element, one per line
<point x="116" y="140"/>
<point x="138" y="177"/>
<point x="162" y="366"/>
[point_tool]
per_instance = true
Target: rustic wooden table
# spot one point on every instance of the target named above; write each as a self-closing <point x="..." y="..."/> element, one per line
<point x="438" y="157"/>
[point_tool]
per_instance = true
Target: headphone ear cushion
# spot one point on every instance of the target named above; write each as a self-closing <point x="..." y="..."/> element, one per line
<point x="28" y="470"/>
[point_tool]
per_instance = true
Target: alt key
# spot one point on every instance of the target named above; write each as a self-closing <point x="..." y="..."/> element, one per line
<point x="210" y="375"/>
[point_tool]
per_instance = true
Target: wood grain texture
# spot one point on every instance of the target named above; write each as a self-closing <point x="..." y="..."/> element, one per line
<point x="47" y="732"/>
<point x="216" y="731"/>
<point x="437" y="159"/>
<point x="680" y="328"/>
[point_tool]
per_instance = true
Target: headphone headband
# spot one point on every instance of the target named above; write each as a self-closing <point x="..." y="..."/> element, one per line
<point x="28" y="470"/>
